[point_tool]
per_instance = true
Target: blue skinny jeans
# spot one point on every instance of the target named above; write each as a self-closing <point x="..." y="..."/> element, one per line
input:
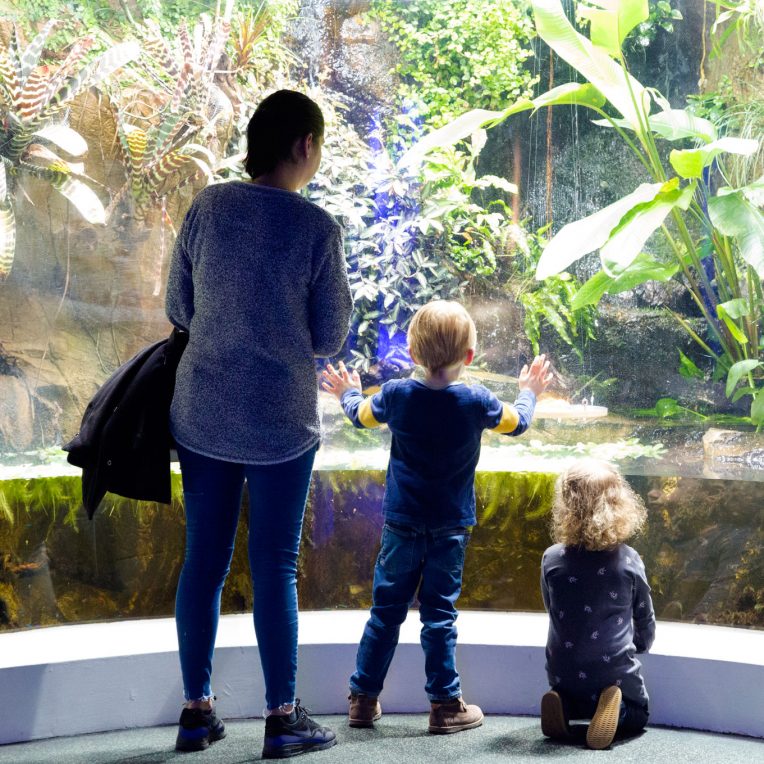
<point x="431" y="561"/>
<point x="277" y="494"/>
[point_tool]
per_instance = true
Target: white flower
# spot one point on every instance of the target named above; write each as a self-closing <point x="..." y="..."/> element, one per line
<point x="572" y="579"/>
<point x="587" y="609"/>
<point x="618" y="682"/>
<point x="628" y="560"/>
<point x="601" y="572"/>
<point x="613" y="595"/>
<point x="568" y="645"/>
<point x="595" y="635"/>
<point x="606" y="658"/>
<point x="619" y="620"/>
<point x="642" y="604"/>
<point x="582" y="675"/>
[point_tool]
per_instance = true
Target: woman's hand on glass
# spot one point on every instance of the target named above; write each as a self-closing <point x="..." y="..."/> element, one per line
<point x="339" y="381"/>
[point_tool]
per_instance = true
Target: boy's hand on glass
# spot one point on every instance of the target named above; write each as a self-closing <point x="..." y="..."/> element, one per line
<point x="339" y="381"/>
<point x="537" y="377"/>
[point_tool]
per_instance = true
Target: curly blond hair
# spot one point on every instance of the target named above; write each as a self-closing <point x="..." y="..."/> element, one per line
<point x="594" y="507"/>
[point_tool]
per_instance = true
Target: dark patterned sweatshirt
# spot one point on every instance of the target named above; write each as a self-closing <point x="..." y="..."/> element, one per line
<point x="600" y="616"/>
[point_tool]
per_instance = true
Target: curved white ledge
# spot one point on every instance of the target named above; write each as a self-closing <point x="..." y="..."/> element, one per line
<point x="69" y="680"/>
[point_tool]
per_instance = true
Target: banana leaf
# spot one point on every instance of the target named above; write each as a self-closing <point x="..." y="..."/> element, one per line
<point x="638" y="225"/>
<point x="673" y="125"/>
<point x="622" y="90"/>
<point x="734" y="215"/>
<point x="689" y="163"/>
<point x="571" y="93"/>
<point x="644" y="268"/>
<point x="612" y="21"/>
<point x="577" y="239"/>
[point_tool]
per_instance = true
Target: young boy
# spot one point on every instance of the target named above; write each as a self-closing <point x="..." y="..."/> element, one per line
<point x="429" y="502"/>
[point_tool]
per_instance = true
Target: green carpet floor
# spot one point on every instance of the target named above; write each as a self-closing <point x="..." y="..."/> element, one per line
<point x="397" y="739"/>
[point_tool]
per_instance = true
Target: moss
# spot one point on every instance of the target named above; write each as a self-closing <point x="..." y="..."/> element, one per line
<point x="702" y="548"/>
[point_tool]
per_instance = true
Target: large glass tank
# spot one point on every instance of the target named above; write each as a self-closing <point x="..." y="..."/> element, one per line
<point x="481" y="150"/>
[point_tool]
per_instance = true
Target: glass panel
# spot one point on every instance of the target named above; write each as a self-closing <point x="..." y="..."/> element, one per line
<point x="99" y="170"/>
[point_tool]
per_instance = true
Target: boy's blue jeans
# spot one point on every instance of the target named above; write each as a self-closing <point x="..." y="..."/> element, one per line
<point x="411" y="559"/>
<point x="213" y="490"/>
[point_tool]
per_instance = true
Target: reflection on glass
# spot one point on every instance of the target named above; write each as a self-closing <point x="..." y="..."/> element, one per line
<point x="111" y="123"/>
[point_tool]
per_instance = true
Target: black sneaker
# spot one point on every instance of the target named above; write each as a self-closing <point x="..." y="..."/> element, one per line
<point x="197" y="729"/>
<point x="292" y="735"/>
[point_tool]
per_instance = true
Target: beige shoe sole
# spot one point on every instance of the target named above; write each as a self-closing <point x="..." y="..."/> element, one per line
<point x="553" y="722"/>
<point x="604" y="723"/>
<point x="364" y="722"/>
<point x="455" y="728"/>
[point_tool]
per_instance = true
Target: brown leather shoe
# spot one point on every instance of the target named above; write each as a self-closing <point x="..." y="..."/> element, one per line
<point x="553" y="721"/>
<point x="604" y="723"/>
<point x="364" y="710"/>
<point x="454" y="716"/>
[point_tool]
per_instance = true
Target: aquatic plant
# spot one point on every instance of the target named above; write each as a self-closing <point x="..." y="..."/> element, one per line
<point x="716" y="239"/>
<point x="34" y="136"/>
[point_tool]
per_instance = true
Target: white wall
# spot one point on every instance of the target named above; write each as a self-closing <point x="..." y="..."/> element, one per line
<point x="76" y="679"/>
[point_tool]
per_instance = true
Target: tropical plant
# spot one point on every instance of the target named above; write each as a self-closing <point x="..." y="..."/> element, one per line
<point x="459" y="54"/>
<point x="745" y="18"/>
<point x="549" y="302"/>
<point x="662" y="16"/>
<point x="182" y="135"/>
<point x="717" y="238"/>
<point x="34" y="136"/>
<point x="391" y="274"/>
<point x="187" y="69"/>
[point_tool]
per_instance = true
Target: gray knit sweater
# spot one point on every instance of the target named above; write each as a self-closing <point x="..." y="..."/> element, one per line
<point x="258" y="279"/>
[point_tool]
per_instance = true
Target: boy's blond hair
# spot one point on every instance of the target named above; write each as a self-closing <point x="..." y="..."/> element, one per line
<point x="440" y="334"/>
<point x="595" y="507"/>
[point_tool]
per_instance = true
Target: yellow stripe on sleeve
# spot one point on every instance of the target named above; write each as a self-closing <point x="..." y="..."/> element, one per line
<point x="509" y="420"/>
<point x="365" y="416"/>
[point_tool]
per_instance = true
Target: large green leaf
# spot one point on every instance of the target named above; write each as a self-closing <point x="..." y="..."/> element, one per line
<point x="689" y="163"/>
<point x="737" y="371"/>
<point x="736" y="308"/>
<point x="757" y="409"/>
<point x="612" y="21"/>
<point x="577" y="239"/>
<point x="733" y="215"/>
<point x="571" y="94"/>
<point x="623" y="91"/>
<point x="732" y="327"/>
<point x="673" y="125"/>
<point x="644" y="268"/>
<point x="455" y="131"/>
<point x="754" y="192"/>
<point x="639" y="224"/>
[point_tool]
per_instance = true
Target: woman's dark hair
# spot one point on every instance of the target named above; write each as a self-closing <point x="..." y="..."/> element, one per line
<point x="281" y="119"/>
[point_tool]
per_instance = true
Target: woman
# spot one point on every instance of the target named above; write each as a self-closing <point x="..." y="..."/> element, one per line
<point x="258" y="279"/>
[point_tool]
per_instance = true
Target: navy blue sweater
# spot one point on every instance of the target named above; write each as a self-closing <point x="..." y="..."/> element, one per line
<point x="435" y="445"/>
